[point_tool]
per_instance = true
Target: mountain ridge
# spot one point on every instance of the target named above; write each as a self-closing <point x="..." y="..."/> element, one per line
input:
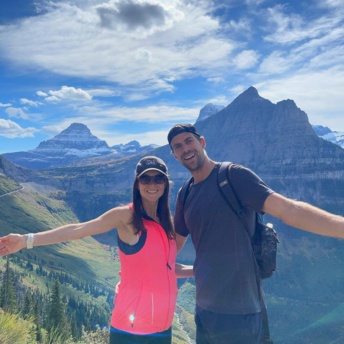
<point x="72" y="145"/>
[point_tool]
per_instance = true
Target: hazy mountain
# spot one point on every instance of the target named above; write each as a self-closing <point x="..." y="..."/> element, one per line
<point x="209" y="110"/>
<point x="71" y="146"/>
<point x="326" y="133"/>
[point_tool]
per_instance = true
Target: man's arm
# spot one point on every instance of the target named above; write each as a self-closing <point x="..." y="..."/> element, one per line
<point x="304" y="216"/>
<point x="180" y="241"/>
<point x="184" y="271"/>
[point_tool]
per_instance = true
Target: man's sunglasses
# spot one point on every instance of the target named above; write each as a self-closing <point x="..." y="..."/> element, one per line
<point x="146" y="179"/>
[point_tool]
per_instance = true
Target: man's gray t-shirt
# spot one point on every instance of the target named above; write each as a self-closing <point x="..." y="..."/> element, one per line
<point x="224" y="266"/>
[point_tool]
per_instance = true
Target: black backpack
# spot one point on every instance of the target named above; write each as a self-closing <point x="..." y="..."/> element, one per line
<point x="264" y="241"/>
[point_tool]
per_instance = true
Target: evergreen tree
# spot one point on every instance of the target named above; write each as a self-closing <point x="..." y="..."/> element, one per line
<point x="28" y="306"/>
<point x="8" y="291"/>
<point x="57" y="319"/>
<point x="37" y="322"/>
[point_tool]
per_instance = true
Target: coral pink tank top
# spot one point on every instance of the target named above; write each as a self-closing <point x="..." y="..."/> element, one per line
<point x="147" y="293"/>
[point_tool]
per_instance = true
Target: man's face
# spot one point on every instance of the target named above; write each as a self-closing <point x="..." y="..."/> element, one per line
<point x="189" y="150"/>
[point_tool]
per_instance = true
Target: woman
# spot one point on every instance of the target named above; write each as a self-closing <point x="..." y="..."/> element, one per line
<point x="146" y="296"/>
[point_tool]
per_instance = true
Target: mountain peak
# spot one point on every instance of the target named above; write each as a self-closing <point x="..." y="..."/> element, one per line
<point x="74" y="133"/>
<point x="78" y="126"/>
<point x="251" y="91"/>
<point x="250" y="94"/>
<point x="209" y="110"/>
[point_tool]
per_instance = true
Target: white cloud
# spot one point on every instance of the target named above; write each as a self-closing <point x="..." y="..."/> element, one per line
<point x="242" y="26"/>
<point x="275" y="63"/>
<point x="319" y="48"/>
<point x="289" y="28"/>
<point x="337" y="5"/>
<point x="16" y="113"/>
<point x="52" y="99"/>
<point x="216" y="79"/>
<point x="41" y="94"/>
<point x="12" y="130"/>
<point x="5" y="105"/>
<point x="219" y="100"/>
<point x="179" y="39"/>
<point x="254" y="2"/>
<point x="158" y="137"/>
<point x="68" y="93"/>
<point x="246" y="59"/>
<point x="103" y="92"/>
<point x="150" y="114"/>
<point x="29" y="102"/>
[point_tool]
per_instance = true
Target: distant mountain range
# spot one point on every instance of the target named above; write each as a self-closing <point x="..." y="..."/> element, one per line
<point x="72" y="145"/>
<point x="77" y="144"/>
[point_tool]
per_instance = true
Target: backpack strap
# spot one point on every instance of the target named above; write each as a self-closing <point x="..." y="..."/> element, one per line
<point x="184" y="191"/>
<point x="229" y="194"/>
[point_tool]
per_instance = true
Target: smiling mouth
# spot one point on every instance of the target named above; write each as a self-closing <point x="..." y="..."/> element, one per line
<point x="189" y="157"/>
<point x="152" y="192"/>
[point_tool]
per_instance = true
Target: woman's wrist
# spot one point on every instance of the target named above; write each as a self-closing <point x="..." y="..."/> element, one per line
<point x="29" y="240"/>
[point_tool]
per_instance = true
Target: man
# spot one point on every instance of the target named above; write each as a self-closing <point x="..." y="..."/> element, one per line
<point x="228" y="307"/>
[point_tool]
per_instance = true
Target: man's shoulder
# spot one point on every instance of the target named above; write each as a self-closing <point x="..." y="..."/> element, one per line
<point x="236" y="167"/>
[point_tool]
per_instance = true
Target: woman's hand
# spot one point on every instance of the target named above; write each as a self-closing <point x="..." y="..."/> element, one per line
<point x="12" y="243"/>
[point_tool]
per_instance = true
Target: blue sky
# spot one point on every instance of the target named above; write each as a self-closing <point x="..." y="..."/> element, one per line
<point x="130" y="69"/>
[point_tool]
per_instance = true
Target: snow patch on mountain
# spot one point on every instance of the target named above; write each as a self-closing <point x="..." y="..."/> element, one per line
<point x="326" y="133"/>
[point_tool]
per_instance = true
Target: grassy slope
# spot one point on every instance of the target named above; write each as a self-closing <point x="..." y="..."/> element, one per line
<point x="85" y="260"/>
<point x="7" y="185"/>
<point x="24" y="212"/>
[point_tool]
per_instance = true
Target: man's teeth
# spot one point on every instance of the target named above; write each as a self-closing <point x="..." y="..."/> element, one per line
<point x="189" y="157"/>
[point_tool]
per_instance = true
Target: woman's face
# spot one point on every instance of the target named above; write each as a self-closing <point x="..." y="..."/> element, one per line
<point x="152" y="185"/>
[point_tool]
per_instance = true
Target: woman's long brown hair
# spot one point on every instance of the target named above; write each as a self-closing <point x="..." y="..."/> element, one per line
<point x="163" y="212"/>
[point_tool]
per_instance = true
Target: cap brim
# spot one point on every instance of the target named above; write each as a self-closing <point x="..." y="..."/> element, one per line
<point x="151" y="169"/>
